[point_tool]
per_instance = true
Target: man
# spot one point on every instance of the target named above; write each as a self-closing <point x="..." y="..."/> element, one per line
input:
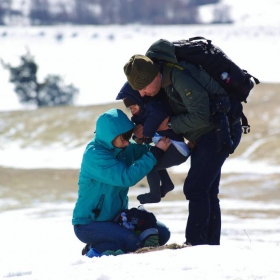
<point x="199" y="105"/>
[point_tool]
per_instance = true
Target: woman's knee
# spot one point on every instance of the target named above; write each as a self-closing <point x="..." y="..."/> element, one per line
<point x="163" y="232"/>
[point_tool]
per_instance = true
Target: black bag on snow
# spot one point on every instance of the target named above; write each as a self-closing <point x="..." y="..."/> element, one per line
<point x="200" y="51"/>
<point x="136" y="219"/>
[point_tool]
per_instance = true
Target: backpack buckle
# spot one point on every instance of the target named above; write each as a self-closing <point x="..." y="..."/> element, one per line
<point x="246" y="129"/>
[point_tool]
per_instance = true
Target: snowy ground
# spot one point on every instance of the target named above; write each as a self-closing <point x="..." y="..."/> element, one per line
<point x="36" y="248"/>
<point x="38" y="243"/>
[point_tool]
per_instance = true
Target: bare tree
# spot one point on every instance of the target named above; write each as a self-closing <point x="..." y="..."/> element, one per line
<point x="5" y="9"/>
<point x="40" y="12"/>
<point x="112" y="11"/>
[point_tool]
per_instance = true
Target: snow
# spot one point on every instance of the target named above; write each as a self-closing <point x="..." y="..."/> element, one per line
<point x="245" y="12"/>
<point x="36" y="246"/>
<point x="45" y="248"/>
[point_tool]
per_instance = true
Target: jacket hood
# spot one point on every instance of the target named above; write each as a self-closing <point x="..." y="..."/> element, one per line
<point x="128" y="92"/>
<point x="111" y="124"/>
<point x="162" y="50"/>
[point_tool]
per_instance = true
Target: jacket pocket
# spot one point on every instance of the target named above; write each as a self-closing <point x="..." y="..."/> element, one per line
<point x="96" y="211"/>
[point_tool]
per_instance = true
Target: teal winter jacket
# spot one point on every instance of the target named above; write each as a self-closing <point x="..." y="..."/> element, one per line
<point x="107" y="172"/>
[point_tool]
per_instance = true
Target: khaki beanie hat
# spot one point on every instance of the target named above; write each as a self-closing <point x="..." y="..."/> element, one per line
<point x="140" y="71"/>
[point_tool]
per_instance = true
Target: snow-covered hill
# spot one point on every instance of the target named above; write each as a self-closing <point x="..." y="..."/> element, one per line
<point x="92" y="57"/>
<point x="243" y="12"/>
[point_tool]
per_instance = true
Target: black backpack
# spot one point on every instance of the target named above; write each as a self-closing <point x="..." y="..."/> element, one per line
<point x="139" y="219"/>
<point x="236" y="81"/>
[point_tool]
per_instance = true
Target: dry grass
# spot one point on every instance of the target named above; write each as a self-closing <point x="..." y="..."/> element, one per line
<point x="74" y="126"/>
<point x="25" y="186"/>
<point x="172" y="246"/>
<point x="70" y="126"/>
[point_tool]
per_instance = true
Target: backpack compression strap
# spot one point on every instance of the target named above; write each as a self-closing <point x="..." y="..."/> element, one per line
<point x="244" y="123"/>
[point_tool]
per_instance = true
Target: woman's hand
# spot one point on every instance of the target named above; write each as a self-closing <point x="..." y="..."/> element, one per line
<point x="138" y="131"/>
<point x="163" y="143"/>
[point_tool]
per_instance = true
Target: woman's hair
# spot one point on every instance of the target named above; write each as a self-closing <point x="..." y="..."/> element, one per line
<point x="127" y="135"/>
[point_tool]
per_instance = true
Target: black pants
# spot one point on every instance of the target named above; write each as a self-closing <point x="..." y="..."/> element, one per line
<point x="201" y="188"/>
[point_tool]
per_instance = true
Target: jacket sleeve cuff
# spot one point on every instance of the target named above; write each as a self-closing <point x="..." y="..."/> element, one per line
<point x="157" y="152"/>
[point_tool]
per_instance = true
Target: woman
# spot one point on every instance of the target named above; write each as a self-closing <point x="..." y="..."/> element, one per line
<point x="111" y="164"/>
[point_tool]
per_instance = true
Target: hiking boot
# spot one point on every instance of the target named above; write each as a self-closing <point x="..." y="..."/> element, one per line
<point x="113" y="253"/>
<point x="149" y="198"/>
<point x="150" y="237"/>
<point x="93" y="253"/>
<point x="90" y="252"/>
<point x="152" y="241"/>
<point x="164" y="190"/>
<point x="86" y="249"/>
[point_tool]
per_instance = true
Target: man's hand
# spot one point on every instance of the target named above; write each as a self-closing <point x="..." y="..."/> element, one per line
<point x="163" y="125"/>
<point x="191" y="144"/>
<point x="163" y="143"/>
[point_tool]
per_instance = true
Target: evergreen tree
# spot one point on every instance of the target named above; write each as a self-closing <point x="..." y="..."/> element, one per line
<point x="52" y="92"/>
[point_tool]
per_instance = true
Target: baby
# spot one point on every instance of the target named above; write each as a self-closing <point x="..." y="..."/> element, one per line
<point x="150" y="113"/>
